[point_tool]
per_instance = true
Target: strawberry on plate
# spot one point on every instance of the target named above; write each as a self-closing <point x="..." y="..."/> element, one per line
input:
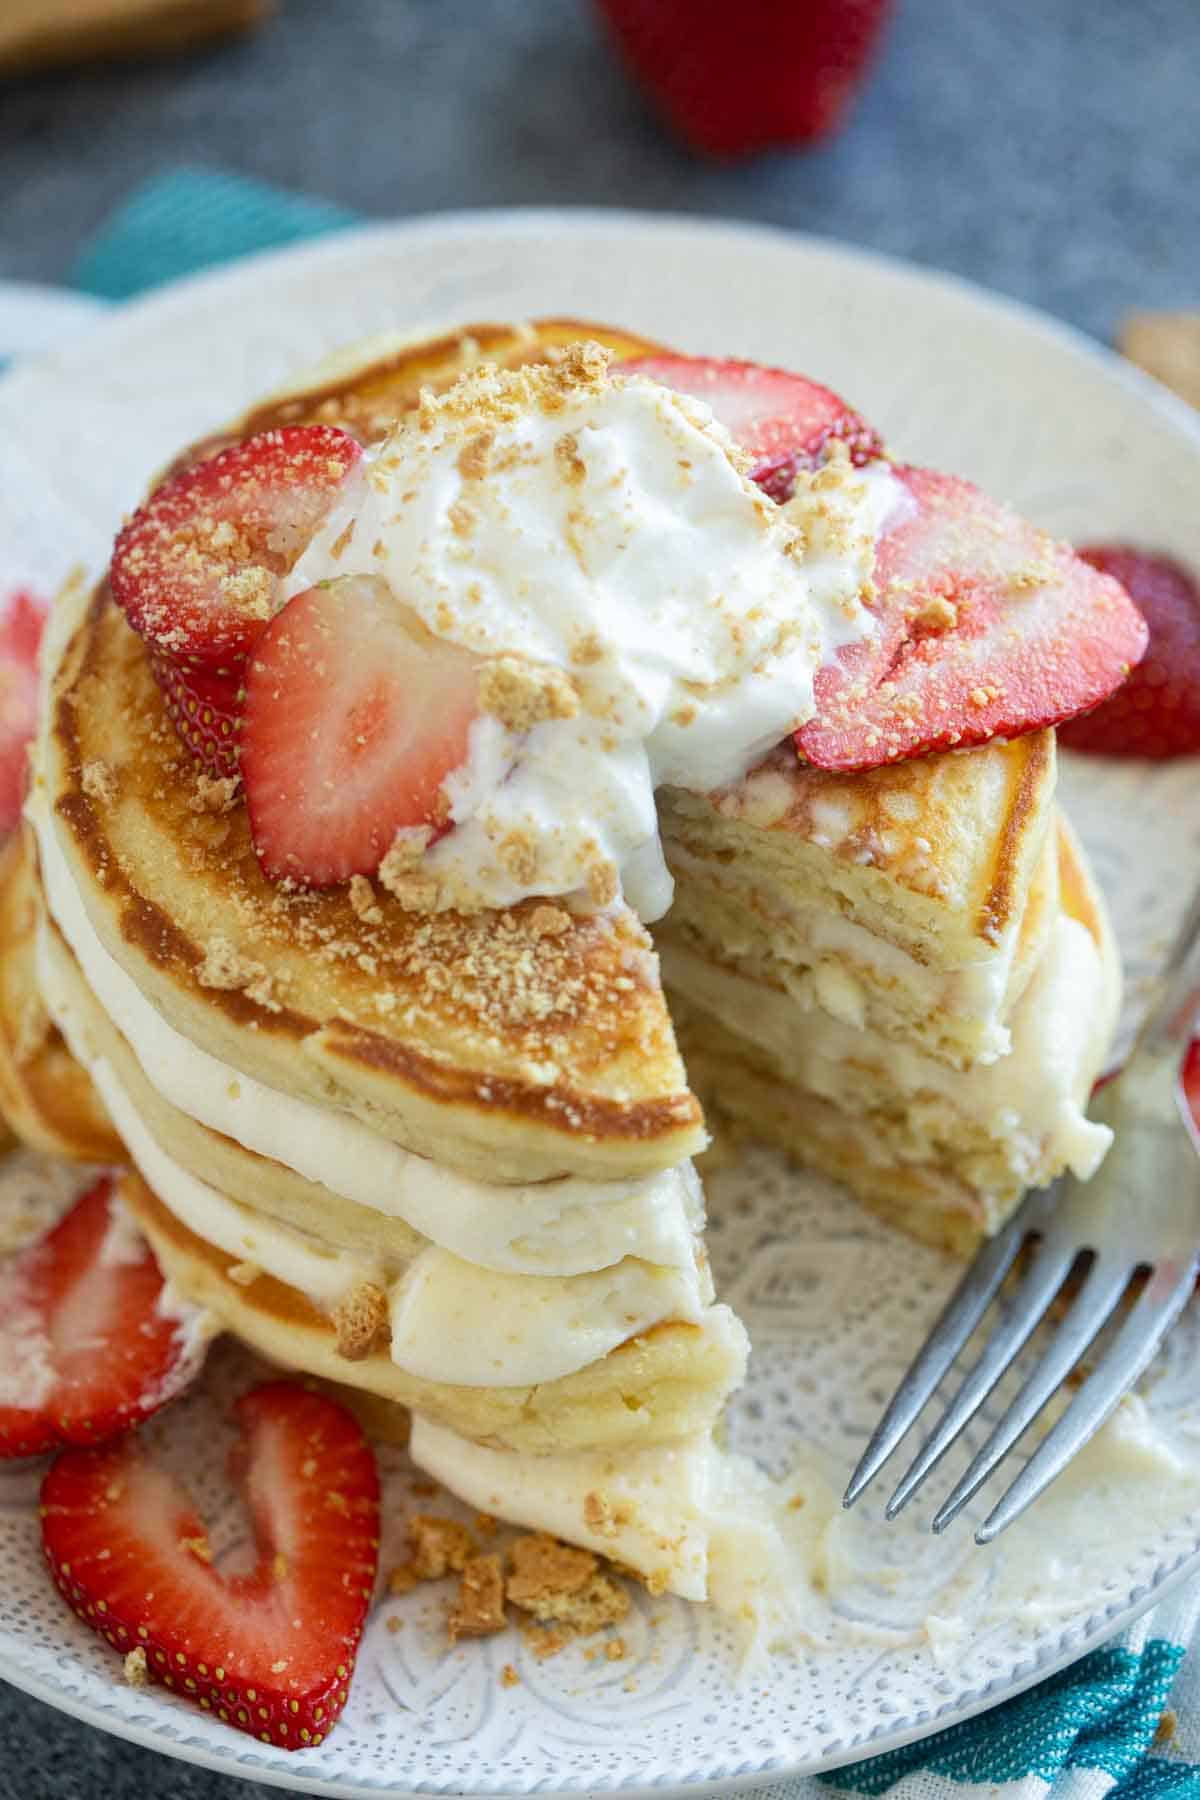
<point x="86" y="1349"/>
<point x="197" y="569"/>
<point x="354" y="716"/>
<point x="22" y="617"/>
<point x="269" y="1651"/>
<point x="782" y="421"/>
<point x="1157" y="712"/>
<point x="735" y="79"/>
<point x="985" y="628"/>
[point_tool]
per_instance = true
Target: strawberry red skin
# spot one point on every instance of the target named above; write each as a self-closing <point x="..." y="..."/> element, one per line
<point x="22" y="618"/>
<point x="1000" y="669"/>
<point x="206" y="710"/>
<point x="1156" y="713"/>
<point x="116" y="1531"/>
<point x="126" y="1359"/>
<point x="783" y="421"/>
<point x="733" y="80"/>
<point x="196" y="569"/>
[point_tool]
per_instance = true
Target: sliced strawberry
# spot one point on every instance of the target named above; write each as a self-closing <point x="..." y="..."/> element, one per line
<point x="206" y="711"/>
<point x="1156" y="713"/>
<point x="22" y="617"/>
<point x="197" y="569"/>
<point x="783" y="421"/>
<point x="354" y="717"/>
<point x="271" y="1651"/>
<point x="85" y="1348"/>
<point x="986" y="628"/>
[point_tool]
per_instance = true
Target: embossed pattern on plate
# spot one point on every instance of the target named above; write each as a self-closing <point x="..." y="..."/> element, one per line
<point x="910" y="1632"/>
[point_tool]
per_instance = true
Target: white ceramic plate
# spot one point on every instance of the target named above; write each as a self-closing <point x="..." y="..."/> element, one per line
<point x="910" y="1633"/>
<point x="32" y="317"/>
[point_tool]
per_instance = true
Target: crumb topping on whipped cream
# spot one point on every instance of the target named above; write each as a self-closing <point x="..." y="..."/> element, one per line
<point x="642" y="614"/>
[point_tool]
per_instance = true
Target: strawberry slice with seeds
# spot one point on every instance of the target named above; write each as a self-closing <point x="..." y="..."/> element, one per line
<point x="355" y="715"/>
<point x="1156" y="713"/>
<point x="86" y="1349"/>
<point x="22" y="617"/>
<point x="197" y="569"/>
<point x="269" y="1651"/>
<point x="986" y="628"/>
<point x="206" y="711"/>
<point x="782" y="421"/>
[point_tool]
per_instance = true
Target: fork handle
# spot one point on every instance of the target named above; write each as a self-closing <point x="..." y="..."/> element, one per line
<point x="1170" y="1022"/>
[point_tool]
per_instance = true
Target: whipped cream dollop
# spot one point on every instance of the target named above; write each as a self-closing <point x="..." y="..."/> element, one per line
<point x="642" y="612"/>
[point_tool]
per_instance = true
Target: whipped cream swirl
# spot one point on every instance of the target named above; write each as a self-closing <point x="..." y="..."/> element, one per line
<point x="642" y="613"/>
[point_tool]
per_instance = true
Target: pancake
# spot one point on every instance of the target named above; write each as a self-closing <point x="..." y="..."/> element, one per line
<point x="442" y="1159"/>
<point x="45" y="1095"/>
<point x="944" y="1154"/>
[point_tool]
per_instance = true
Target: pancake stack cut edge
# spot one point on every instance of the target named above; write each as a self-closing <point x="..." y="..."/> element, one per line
<point x="445" y="1161"/>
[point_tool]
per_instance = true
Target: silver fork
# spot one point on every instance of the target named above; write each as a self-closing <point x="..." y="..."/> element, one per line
<point x="1140" y="1212"/>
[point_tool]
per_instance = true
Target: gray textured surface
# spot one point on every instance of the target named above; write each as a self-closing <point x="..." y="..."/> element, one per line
<point x="1048" y="148"/>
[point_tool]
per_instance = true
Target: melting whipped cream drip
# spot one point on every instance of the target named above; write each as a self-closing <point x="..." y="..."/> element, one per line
<point x="643" y="613"/>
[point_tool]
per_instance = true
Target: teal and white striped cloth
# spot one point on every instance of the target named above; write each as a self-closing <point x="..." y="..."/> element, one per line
<point x="1124" y="1720"/>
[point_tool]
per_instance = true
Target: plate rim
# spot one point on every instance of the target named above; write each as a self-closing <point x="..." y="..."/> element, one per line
<point x="465" y="225"/>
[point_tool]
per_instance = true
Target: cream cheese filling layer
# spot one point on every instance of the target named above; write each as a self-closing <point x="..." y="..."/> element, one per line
<point x="1030" y="1097"/>
<point x="562" y="1227"/>
<point x="451" y="1321"/>
<point x="697" y="1520"/>
<point x="975" y="992"/>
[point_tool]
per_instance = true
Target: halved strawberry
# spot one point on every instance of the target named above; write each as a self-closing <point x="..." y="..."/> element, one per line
<point x="270" y="1651"/>
<point x="986" y="628"/>
<point x="85" y="1348"/>
<point x="1156" y="713"/>
<point x="197" y="569"/>
<point x="22" y="617"/>
<point x="355" y="715"/>
<point x="782" y="420"/>
<point x="206" y="711"/>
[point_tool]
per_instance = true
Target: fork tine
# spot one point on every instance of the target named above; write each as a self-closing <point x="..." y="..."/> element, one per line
<point x="1130" y="1353"/>
<point x="1038" y="1288"/>
<point x="967" y="1305"/>
<point x="1098" y="1297"/>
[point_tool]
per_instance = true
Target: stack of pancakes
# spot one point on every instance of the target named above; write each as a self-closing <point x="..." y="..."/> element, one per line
<point x="445" y="1159"/>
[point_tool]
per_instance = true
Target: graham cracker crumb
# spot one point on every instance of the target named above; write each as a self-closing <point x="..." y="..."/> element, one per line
<point x="136" y="1672"/>
<point x="509" y="1677"/>
<point x="542" y="1642"/>
<point x="614" y="1650"/>
<point x="560" y="1584"/>
<point x="403" y="1579"/>
<point x="517" y="854"/>
<point x="99" y="782"/>
<point x="549" y="921"/>
<point x="359" y="1320"/>
<point x="522" y="693"/>
<point x="656" y="1581"/>
<point x="439" y="1546"/>
<point x="475" y="455"/>
<point x="479" y="1609"/>
<point x="225" y="967"/>
<point x="600" y="1515"/>
<point x="244" y="1274"/>
<point x="937" y="614"/>
<point x="603" y="884"/>
<point x="399" y="870"/>
<point x="571" y="465"/>
<point x="486" y="1525"/>
<point x="214" y="794"/>
<point x="362" y="899"/>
